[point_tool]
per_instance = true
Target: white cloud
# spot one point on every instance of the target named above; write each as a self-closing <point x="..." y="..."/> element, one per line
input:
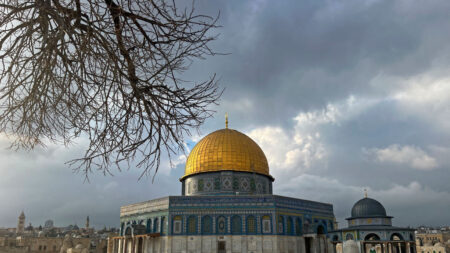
<point x="411" y="156"/>
<point x="428" y="98"/>
<point x="298" y="149"/>
<point x="287" y="152"/>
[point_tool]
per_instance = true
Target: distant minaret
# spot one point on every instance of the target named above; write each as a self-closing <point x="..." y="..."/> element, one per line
<point x="21" y="224"/>
<point x="87" y="222"/>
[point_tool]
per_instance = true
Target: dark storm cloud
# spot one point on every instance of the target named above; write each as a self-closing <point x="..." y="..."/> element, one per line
<point x="297" y="55"/>
<point x="341" y="96"/>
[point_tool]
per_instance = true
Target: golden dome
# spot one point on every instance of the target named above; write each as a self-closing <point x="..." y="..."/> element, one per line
<point x="226" y="150"/>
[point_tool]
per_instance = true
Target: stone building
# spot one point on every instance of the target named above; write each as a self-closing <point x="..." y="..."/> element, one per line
<point x="21" y="224"/>
<point x="51" y="245"/>
<point x="226" y="205"/>
<point x="370" y="230"/>
<point x="432" y="237"/>
<point x="433" y="241"/>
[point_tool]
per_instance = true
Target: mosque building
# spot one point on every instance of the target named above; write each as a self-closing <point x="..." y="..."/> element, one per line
<point x="226" y="206"/>
<point x="370" y="230"/>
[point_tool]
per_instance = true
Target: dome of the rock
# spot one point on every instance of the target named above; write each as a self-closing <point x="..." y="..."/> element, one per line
<point x="226" y="150"/>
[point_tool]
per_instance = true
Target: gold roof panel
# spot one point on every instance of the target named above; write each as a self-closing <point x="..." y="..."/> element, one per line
<point x="225" y="150"/>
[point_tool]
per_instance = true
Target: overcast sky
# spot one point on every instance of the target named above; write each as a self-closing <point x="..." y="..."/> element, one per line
<point x="341" y="96"/>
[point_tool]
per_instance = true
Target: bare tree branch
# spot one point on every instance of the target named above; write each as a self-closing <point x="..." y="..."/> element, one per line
<point x="105" y="69"/>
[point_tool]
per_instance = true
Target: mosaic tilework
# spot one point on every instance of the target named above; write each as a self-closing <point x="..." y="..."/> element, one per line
<point x="227" y="183"/>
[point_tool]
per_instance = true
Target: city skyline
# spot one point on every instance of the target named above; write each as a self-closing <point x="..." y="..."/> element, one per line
<point x="341" y="97"/>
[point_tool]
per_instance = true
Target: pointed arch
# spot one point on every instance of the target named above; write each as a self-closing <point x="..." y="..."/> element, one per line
<point x="207" y="225"/>
<point x="251" y="225"/>
<point x="236" y="225"/>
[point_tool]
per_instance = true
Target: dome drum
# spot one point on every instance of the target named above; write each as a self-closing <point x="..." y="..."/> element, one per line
<point x="226" y="183"/>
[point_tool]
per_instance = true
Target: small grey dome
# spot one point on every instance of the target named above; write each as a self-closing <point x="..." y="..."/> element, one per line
<point x="368" y="207"/>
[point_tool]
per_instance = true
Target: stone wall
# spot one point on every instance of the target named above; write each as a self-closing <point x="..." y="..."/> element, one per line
<point x="229" y="244"/>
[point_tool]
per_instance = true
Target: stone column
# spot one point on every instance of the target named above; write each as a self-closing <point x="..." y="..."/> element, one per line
<point x="199" y="224"/>
<point x="314" y="245"/>
<point x="119" y="245"/>
<point x="408" y="248"/>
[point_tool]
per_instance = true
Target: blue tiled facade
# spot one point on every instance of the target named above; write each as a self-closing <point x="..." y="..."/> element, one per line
<point x="231" y="215"/>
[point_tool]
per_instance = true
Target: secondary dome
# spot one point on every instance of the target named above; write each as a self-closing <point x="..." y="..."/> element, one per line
<point x="226" y="150"/>
<point x="368" y="207"/>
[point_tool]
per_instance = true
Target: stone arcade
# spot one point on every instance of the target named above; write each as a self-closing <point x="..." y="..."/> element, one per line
<point x="226" y="206"/>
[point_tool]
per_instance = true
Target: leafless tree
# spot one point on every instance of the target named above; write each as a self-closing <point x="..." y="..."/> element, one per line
<point x="106" y="69"/>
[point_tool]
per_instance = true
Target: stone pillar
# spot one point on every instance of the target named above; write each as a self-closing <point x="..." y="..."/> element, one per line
<point x="119" y="245"/>
<point x="408" y="247"/>
<point x="301" y="245"/>
<point x="199" y="224"/>
<point x="151" y="247"/>
<point x="330" y="246"/>
<point x="314" y="245"/>
<point x="350" y="246"/>
<point x="338" y="248"/>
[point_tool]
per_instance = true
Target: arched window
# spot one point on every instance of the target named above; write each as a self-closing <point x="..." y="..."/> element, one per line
<point x="207" y="225"/>
<point x="177" y="224"/>
<point x="349" y="237"/>
<point x="266" y="227"/>
<point x="128" y="231"/>
<point x="163" y="225"/>
<point x="192" y="225"/>
<point x="289" y="226"/>
<point x="280" y="222"/>
<point x="320" y="230"/>
<point x="251" y="225"/>
<point x="149" y="226"/>
<point x="236" y="225"/>
<point x="372" y="237"/>
<point x="396" y="237"/>
<point x="221" y="225"/>
<point x="298" y="227"/>
<point x="156" y="226"/>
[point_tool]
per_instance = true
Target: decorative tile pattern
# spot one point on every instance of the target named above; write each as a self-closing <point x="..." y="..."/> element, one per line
<point x="259" y="187"/>
<point x="227" y="184"/>
<point x="245" y="184"/>
<point x="209" y="184"/>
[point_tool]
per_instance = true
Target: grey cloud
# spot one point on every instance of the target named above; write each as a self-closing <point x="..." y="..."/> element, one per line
<point x="287" y="58"/>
